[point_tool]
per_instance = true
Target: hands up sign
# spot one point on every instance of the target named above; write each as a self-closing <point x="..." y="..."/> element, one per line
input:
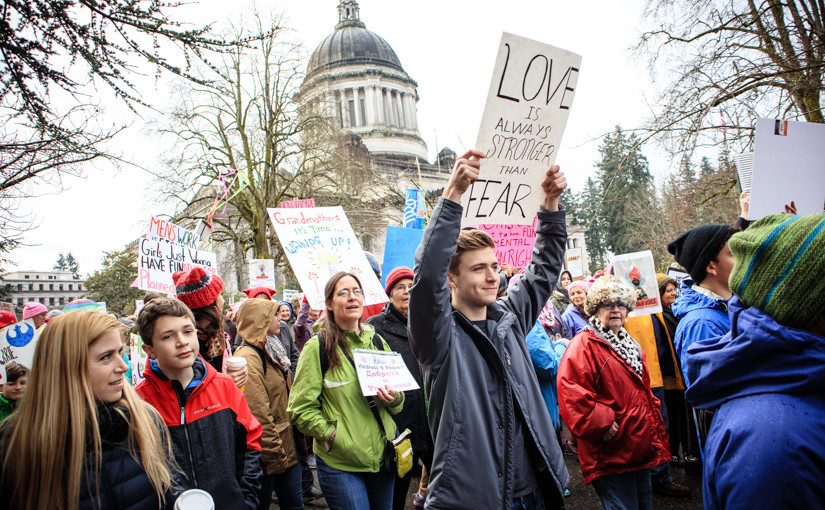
<point x="527" y="107"/>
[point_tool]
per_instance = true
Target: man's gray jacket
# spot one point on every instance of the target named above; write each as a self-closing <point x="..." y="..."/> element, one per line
<point x="471" y="379"/>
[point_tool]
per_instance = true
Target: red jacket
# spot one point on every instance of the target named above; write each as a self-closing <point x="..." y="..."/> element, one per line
<point x="215" y="438"/>
<point x="597" y="387"/>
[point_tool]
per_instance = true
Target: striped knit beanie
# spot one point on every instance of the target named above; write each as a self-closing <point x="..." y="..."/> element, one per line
<point x="780" y="260"/>
<point x="197" y="288"/>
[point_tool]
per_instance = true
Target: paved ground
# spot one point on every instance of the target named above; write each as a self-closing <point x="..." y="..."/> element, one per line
<point x="584" y="497"/>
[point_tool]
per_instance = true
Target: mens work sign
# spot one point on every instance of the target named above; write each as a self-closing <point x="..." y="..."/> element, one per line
<point x="530" y="96"/>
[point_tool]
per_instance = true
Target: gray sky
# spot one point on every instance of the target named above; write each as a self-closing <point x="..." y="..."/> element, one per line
<point x="448" y="47"/>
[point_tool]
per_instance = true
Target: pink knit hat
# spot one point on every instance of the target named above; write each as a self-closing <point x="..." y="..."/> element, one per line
<point x="583" y="285"/>
<point x="32" y="309"/>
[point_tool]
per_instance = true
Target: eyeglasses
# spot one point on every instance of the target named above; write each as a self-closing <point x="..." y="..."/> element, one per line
<point x="615" y="304"/>
<point x="403" y="288"/>
<point x="344" y="293"/>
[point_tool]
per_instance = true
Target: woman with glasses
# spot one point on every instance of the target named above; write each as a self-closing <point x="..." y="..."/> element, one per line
<point x="606" y="401"/>
<point x="391" y="324"/>
<point x="326" y="404"/>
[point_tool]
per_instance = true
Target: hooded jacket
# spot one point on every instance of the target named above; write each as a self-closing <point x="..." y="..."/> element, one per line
<point x="475" y="381"/>
<point x="333" y="400"/>
<point x="766" y="444"/>
<point x="597" y="387"/>
<point x="546" y="354"/>
<point x="267" y="386"/>
<point x="700" y="318"/>
<point x="7" y="407"/>
<point x="215" y="438"/>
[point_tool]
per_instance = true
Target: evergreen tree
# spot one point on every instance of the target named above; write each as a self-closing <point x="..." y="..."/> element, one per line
<point x="60" y="265"/>
<point x="72" y="265"/>
<point x="112" y="283"/>
<point x="627" y="190"/>
<point x="588" y="215"/>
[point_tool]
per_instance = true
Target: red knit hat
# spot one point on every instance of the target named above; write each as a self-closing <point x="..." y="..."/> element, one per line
<point x="254" y="291"/>
<point x="197" y="288"/>
<point x="396" y="275"/>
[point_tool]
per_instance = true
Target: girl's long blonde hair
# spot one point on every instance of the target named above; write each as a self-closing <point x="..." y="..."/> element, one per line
<point x="48" y="437"/>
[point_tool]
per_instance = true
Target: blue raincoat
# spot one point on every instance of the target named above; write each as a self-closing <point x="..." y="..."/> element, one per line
<point x="766" y="444"/>
<point x="701" y="318"/>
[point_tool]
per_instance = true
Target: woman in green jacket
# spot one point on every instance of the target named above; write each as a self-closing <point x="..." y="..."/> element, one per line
<point x="328" y="405"/>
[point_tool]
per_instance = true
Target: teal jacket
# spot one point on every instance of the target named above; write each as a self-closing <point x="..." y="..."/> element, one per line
<point x="317" y="404"/>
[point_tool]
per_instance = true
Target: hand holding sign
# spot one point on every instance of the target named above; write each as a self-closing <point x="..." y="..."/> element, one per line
<point x="553" y="185"/>
<point x="465" y="173"/>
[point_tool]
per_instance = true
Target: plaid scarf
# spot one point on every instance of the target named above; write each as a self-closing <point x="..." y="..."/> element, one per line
<point x="623" y="344"/>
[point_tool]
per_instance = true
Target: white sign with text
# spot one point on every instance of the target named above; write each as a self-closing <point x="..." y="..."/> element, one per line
<point x="377" y="369"/>
<point x="530" y="96"/>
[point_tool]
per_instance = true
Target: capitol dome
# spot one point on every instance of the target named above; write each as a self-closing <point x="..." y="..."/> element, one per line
<point x="352" y="43"/>
<point x="358" y="78"/>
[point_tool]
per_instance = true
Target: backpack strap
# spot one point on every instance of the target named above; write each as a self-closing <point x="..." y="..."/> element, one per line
<point x="260" y="352"/>
<point x="322" y="352"/>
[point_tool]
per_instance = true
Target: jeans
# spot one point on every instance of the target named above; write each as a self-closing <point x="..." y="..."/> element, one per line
<point x="344" y="490"/>
<point x="532" y="501"/>
<point x="287" y="486"/>
<point x="627" y="491"/>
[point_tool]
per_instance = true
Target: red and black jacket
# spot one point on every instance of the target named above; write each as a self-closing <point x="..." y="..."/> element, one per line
<point x="211" y="429"/>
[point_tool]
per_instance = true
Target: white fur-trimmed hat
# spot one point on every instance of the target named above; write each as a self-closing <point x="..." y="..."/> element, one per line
<point x="609" y="289"/>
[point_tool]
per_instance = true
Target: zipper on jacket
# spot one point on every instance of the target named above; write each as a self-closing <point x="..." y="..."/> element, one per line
<point x="182" y="404"/>
<point x="507" y="357"/>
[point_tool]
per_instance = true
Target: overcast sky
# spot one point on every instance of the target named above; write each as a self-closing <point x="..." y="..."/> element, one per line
<point x="448" y="47"/>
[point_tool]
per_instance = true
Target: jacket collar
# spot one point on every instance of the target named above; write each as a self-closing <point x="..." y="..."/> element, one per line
<point x="394" y="321"/>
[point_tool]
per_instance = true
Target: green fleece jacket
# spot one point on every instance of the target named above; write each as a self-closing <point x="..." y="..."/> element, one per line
<point x="318" y="404"/>
<point x="7" y="406"/>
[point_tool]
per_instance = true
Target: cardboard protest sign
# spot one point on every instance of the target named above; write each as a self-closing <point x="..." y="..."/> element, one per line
<point x="788" y="165"/>
<point x="414" y="209"/>
<point x="744" y="170"/>
<point x="638" y="271"/>
<point x="514" y="243"/>
<point x="162" y="229"/>
<point x="17" y="343"/>
<point x="678" y="276"/>
<point x="530" y="95"/>
<point x="8" y="307"/>
<point x="399" y="249"/>
<point x="137" y="358"/>
<point x="319" y="242"/>
<point x="262" y="273"/>
<point x="297" y="204"/>
<point x="158" y="260"/>
<point x="377" y="369"/>
<point x="574" y="262"/>
<point x="289" y="294"/>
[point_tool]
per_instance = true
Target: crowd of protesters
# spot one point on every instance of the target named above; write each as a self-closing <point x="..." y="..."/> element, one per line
<point x="517" y="367"/>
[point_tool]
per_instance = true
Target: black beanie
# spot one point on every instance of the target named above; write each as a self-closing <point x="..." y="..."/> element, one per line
<point x="697" y="247"/>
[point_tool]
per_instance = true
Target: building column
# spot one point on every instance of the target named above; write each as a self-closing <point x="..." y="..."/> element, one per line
<point x="356" y="103"/>
<point x="386" y="96"/>
<point x="401" y="114"/>
<point x="369" y="93"/>
<point x="342" y="94"/>
<point x="412" y="112"/>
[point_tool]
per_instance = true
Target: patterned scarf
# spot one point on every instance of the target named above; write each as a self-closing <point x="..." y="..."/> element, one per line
<point x="623" y="344"/>
<point x="546" y="317"/>
<point x="277" y="353"/>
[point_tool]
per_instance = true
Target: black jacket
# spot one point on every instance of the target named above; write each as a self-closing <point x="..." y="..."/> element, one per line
<point x="392" y="326"/>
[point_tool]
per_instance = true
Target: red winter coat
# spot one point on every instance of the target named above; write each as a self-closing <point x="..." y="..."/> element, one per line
<point x="595" y="388"/>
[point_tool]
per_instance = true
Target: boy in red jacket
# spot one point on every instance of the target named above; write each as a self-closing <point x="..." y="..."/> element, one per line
<point x="215" y="438"/>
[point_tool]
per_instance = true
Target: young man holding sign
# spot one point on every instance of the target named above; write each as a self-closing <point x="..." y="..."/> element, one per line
<point x="495" y="446"/>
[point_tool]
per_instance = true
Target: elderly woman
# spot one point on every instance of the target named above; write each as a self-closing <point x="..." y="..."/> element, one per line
<point x="606" y="401"/>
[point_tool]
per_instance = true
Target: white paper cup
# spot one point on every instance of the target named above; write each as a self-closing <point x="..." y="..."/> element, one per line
<point x="194" y="499"/>
<point x="235" y="363"/>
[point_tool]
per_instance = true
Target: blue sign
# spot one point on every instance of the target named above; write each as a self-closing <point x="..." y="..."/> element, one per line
<point x="399" y="249"/>
<point x="414" y="209"/>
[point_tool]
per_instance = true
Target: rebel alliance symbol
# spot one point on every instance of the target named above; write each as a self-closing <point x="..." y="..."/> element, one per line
<point x="20" y="338"/>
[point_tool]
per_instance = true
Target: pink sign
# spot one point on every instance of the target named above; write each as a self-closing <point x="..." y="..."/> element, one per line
<point x="514" y="243"/>
<point x="298" y="204"/>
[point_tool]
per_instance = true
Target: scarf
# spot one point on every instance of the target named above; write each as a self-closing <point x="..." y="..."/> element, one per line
<point x="546" y="316"/>
<point x="623" y="344"/>
<point x="276" y="352"/>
